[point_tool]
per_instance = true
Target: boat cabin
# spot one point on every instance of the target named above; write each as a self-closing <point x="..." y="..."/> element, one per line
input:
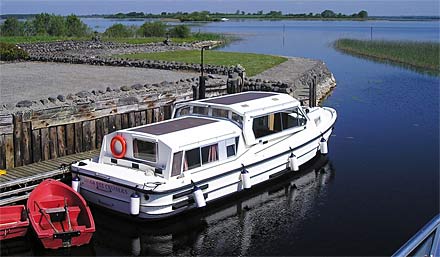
<point x="204" y="133"/>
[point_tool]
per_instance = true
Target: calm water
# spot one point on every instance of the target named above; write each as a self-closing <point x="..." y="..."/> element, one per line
<point x="376" y="188"/>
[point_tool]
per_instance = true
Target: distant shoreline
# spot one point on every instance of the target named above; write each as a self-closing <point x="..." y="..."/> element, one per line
<point x="253" y="17"/>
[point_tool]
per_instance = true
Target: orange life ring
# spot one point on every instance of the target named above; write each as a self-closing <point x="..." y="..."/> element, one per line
<point x="121" y="140"/>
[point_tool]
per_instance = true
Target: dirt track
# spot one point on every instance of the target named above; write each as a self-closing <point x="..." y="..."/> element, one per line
<point x="35" y="81"/>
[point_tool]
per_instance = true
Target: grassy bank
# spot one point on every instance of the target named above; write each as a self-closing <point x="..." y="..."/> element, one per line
<point x="253" y="63"/>
<point x="37" y="39"/>
<point x="130" y="40"/>
<point x="421" y="55"/>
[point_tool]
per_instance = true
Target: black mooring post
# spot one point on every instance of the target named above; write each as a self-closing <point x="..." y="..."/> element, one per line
<point x="312" y="92"/>
<point x="202" y="87"/>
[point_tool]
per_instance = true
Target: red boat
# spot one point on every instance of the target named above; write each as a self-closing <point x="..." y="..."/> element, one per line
<point x="13" y="221"/>
<point x="59" y="215"/>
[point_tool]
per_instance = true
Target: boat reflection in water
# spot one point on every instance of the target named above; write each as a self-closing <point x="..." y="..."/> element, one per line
<point x="227" y="227"/>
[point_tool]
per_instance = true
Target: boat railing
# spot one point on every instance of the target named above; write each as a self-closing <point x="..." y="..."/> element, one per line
<point x="419" y="238"/>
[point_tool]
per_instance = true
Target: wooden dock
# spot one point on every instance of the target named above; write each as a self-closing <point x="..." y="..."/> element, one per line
<point x="18" y="182"/>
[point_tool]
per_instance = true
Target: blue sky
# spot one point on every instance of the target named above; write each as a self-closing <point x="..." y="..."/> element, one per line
<point x="374" y="7"/>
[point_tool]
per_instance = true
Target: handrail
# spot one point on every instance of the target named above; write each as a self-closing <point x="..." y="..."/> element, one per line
<point x="421" y="235"/>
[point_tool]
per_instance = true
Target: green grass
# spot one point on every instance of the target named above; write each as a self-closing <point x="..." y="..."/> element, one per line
<point x="36" y="39"/>
<point x="193" y="38"/>
<point x="253" y="63"/>
<point x="143" y="40"/>
<point x="420" y="55"/>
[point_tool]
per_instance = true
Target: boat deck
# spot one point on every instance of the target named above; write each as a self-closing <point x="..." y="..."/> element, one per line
<point x="17" y="183"/>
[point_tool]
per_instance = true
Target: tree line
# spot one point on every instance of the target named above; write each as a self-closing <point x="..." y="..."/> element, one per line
<point x="208" y="16"/>
<point x="148" y="29"/>
<point x="45" y="24"/>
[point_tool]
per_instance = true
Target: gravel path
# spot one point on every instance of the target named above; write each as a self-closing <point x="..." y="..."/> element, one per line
<point x="34" y="81"/>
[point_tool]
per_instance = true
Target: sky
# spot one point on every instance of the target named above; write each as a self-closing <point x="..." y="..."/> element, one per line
<point x="84" y="7"/>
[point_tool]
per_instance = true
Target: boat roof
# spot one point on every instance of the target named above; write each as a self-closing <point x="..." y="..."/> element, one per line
<point x="173" y="126"/>
<point x="247" y="102"/>
<point x="185" y="131"/>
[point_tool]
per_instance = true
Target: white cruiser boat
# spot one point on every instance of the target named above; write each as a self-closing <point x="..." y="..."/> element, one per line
<point x="211" y="148"/>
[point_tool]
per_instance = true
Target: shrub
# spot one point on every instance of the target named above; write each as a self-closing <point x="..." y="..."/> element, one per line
<point x="118" y="30"/>
<point x="11" y="27"/>
<point x="10" y="52"/>
<point x="153" y="29"/>
<point x="181" y="31"/>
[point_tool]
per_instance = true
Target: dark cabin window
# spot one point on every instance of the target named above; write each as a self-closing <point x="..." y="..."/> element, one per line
<point x="144" y="150"/>
<point x="200" y="110"/>
<point x="185" y="110"/>
<point x="209" y="153"/>
<point x="267" y="125"/>
<point x="177" y="164"/>
<point x="219" y="113"/>
<point x="230" y="150"/>
<point x="277" y="122"/>
<point x="192" y="159"/>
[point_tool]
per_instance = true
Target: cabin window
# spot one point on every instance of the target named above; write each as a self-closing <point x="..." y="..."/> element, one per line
<point x="237" y="118"/>
<point x="177" y="164"/>
<point x="220" y="113"/>
<point x="209" y="153"/>
<point x="144" y="150"/>
<point x="230" y="150"/>
<point x="231" y="147"/>
<point x="192" y="159"/>
<point x="277" y="122"/>
<point x="200" y="110"/>
<point x="293" y="118"/>
<point x="267" y="125"/>
<point x="185" y="110"/>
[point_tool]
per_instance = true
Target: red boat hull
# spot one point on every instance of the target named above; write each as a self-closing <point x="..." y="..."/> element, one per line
<point x="13" y="222"/>
<point x="59" y="216"/>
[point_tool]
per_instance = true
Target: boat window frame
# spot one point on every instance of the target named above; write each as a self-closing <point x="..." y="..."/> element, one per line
<point x="290" y="129"/>
<point x="181" y="164"/>
<point x="155" y="142"/>
<point x="210" y="110"/>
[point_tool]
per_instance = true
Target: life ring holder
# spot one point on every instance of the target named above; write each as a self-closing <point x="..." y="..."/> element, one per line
<point x="121" y="140"/>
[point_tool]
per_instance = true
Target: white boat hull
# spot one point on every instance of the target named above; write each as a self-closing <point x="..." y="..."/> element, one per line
<point x="161" y="205"/>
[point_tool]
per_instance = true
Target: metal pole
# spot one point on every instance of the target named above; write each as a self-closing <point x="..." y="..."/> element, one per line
<point x="201" y="61"/>
<point x="202" y="88"/>
<point x="371" y="33"/>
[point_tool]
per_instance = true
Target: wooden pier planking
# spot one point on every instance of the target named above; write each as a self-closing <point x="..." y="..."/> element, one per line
<point x="18" y="181"/>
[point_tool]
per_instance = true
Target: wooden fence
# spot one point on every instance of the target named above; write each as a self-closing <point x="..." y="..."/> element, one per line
<point x="22" y="144"/>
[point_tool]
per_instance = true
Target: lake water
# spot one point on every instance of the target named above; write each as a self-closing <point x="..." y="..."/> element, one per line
<point x="378" y="185"/>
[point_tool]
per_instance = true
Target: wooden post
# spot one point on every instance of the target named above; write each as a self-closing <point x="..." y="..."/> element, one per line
<point x="53" y="142"/>
<point x="61" y="140"/>
<point x="131" y="120"/>
<point x="118" y="122"/>
<point x="36" y="145"/>
<point x="111" y="123"/>
<point x="99" y="132"/>
<point x="92" y="135"/>
<point x="149" y="116"/>
<point x="86" y="136"/>
<point x="9" y="150"/>
<point x="45" y="152"/>
<point x="17" y="139"/>
<point x="2" y="152"/>
<point x="70" y="138"/>
<point x="78" y="137"/>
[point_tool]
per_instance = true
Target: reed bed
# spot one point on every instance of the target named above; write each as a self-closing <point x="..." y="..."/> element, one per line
<point x="424" y="55"/>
